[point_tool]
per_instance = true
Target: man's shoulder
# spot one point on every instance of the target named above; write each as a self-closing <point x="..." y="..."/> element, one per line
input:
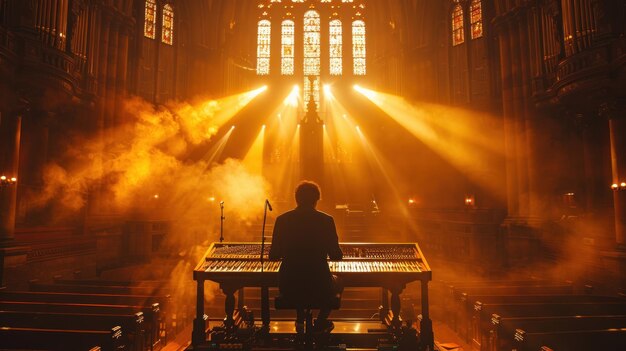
<point x="287" y="214"/>
<point x="325" y="215"/>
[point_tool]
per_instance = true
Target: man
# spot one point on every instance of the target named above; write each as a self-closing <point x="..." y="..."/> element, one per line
<point x="303" y="238"/>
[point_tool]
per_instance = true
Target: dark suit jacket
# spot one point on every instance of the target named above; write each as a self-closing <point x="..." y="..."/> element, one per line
<point x="303" y="238"/>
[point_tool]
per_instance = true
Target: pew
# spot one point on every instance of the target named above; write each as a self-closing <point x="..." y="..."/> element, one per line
<point x="481" y="324"/>
<point x="101" y="282"/>
<point x="152" y="313"/>
<point x="450" y="291"/>
<point x="111" y="299"/>
<point x="98" y="289"/>
<point x="460" y="319"/>
<point x="577" y="340"/>
<point x="501" y="336"/>
<point x="132" y="324"/>
<point x="176" y="314"/>
<point x="61" y="340"/>
<point x="468" y="302"/>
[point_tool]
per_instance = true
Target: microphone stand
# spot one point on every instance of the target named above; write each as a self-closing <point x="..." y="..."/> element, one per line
<point x="265" y="302"/>
<point x="222" y="218"/>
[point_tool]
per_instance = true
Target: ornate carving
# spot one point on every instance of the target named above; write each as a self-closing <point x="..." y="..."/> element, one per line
<point x="613" y="109"/>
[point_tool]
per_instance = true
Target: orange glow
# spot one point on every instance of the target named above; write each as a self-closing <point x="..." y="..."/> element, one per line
<point x="293" y="97"/>
<point x="253" y="161"/>
<point x="447" y="131"/>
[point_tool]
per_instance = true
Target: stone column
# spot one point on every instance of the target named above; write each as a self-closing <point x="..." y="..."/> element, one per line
<point x="615" y="111"/>
<point x="509" y="121"/>
<point x="111" y="80"/>
<point x="519" y="117"/>
<point x="33" y="158"/>
<point x="594" y="133"/>
<point x="122" y="73"/>
<point x="11" y="256"/>
<point x="10" y="133"/>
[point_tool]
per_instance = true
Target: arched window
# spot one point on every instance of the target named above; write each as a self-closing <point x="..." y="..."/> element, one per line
<point x="335" y="42"/>
<point x="287" y="45"/>
<point x="167" y="32"/>
<point x="311" y="43"/>
<point x="476" y="18"/>
<point x="358" y="47"/>
<point x="149" y="23"/>
<point x="458" y="30"/>
<point x="263" y="48"/>
<point x="311" y="54"/>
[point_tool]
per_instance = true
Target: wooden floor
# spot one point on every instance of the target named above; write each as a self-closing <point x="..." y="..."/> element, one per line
<point x="445" y="338"/>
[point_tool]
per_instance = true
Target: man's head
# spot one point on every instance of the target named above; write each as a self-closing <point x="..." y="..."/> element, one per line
<point x="307" y="194"/>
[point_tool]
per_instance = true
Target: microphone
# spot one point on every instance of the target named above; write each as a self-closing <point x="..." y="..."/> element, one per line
<point x="267" y="202"/>
<point x="222" y="204"/>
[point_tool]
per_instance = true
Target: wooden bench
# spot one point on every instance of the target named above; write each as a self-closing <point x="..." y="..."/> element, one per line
<point x="460" y="317"/>
<point x="101" y="282"/>
<point x="481" y="322"/>
<point x="446" y="290"/>
<point x="99" y="289"/>
<point x="132" y="324"/>
<point x="60" y="340"/>
<point x="57" y="303"/>
<point x="178" y="314"/>
<point x="501" y="336"/>
<point x="577" y="340"/>
<point x="468" y="304"/>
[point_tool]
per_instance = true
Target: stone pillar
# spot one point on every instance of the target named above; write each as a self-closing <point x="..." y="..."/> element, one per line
<point x="10" y="133"/>
<point x="11" y="256"/>
<point x="97" y="196"/>
<point x="509" y="122"/>
<point x="111" y="81"/>
<point x="519" y="116"/>
<point x="33" y="159"/>
<point x="122" y="73"/>
<point x="594" y="134"/>
<point x="615" y="111"/>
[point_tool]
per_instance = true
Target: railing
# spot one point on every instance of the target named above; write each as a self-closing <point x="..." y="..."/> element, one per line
<point x="51" y="243"/>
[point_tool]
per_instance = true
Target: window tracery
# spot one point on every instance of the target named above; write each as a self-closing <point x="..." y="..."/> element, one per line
<point x="263" y="47"/>
<point x="311" y="52"/>
<point x="358" y="47"/>
<point x="476" y="19"/>
<point x="287" y="47"/>
<point x="149" y="24"/>
<point x="336" y="47"/>
<point x="458" y="28"/>
<point x="167" y="32"/>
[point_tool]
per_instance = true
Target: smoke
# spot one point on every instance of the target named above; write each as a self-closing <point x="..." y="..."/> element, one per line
<point x="141" y="169"/>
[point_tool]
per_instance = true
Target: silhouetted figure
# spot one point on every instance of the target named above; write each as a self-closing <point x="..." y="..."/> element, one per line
<point x="303" y="238"/>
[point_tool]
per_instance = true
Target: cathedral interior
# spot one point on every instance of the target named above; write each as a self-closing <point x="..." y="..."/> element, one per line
<point x="486" y="138"/>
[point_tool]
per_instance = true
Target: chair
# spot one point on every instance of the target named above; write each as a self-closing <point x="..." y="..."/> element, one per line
<point x="285" y="303"/>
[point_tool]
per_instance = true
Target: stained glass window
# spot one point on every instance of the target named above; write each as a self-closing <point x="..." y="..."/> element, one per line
<point x="311" y="43"/>
<point x="167" y="32"/>
<point x="311" y="54"/>
<point x="287" y="45"/>
<point x="476" y="19"/>
<point x="335" y="47"/>
<point x="149" y="23"/>
<point x="458" y="30"/>
<point x="358" y="47"/>
<point x="263" y="48"/>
